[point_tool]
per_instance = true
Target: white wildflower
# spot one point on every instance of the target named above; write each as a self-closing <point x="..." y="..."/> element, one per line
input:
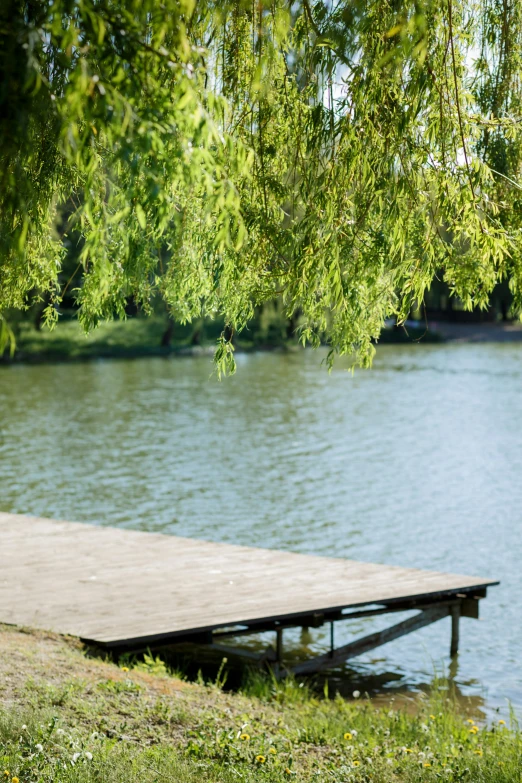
<point x="38" y="747"/>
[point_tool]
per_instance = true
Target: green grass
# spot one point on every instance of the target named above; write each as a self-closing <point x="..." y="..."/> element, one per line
<point x="66" y="715"/>
<point x="133" y="337"/>
<point x="140" y="336"/>
<point x="112" y="731"/>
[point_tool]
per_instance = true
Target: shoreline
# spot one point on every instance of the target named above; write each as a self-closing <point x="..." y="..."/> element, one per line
<point x="59" y="348"/>
<point x="69" y="716"/>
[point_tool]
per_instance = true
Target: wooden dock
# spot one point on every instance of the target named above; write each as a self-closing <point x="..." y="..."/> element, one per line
<point x="126" y="589"/>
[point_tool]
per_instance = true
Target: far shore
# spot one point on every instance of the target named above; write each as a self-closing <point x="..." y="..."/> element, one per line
<point x="139" y="338"/>
<point x="498" y="332"/>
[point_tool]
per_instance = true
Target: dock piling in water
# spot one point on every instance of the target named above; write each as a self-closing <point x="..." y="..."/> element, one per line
<point x="455" y="619"/>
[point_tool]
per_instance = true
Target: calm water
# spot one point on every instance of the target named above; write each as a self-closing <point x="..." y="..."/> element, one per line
<point x="417" y="462"/>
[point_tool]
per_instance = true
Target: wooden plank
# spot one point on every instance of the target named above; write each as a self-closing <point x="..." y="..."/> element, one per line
<point x="118" y="586"/>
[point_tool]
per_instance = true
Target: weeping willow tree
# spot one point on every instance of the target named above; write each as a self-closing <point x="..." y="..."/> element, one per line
<point x="338" y="155"/>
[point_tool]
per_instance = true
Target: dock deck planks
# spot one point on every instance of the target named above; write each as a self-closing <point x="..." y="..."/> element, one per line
<point x="117" y="586"/>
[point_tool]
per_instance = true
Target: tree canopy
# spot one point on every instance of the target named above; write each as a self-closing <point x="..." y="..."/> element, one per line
<point x="339" y="154"/>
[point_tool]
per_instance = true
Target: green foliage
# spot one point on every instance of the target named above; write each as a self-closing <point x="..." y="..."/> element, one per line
<point x="339" y="155"/>
<point x="265" y="686"/>
<point x="152" y="664"/>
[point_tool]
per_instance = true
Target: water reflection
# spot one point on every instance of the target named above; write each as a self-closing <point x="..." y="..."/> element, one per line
<point x="371" y="682"/>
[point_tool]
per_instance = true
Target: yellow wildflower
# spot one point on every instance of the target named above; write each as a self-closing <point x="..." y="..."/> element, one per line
<point x="502" y="722"/>
<point x="244" y="737"/>
<point x="470" y="720"/>
<point x="348" y="736"/>
<point x="479" y="752"/>
<point x="432" y="717"/>
<point x="500" y="763"/>
<point x="426" y="764"/>
<point x="474" y="730"/>
<point x="356" y="763"/>
<point x="15" y="780"/>
<point x="409" y="750"/>
<point x="288" y="771"/>
<point x="272" y="750"/>
<point x="260" y="759"/>
<point x="125" y="668"/>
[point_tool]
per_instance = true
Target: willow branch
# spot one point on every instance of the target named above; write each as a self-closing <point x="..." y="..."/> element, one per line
<point x="457" y="100"/>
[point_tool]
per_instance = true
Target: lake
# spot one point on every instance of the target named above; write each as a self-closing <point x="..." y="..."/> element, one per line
<point x="417" y="462"/>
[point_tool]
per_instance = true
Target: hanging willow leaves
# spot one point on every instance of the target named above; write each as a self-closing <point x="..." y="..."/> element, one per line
<point x="339" y="155"/>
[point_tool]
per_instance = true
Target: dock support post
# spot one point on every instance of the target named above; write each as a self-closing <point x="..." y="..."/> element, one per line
<point x="279" y="646"/>
<point x="455" y="617"/>
<point x="332" y="644"/>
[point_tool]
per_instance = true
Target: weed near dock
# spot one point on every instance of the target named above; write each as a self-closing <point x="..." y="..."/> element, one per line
<point x="66" y="718"/>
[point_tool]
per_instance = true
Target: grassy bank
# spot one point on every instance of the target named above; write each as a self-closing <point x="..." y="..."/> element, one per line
<point x="142" y="336"/>
<point x="134" y="337"/>
<point x="69" y="717"/>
